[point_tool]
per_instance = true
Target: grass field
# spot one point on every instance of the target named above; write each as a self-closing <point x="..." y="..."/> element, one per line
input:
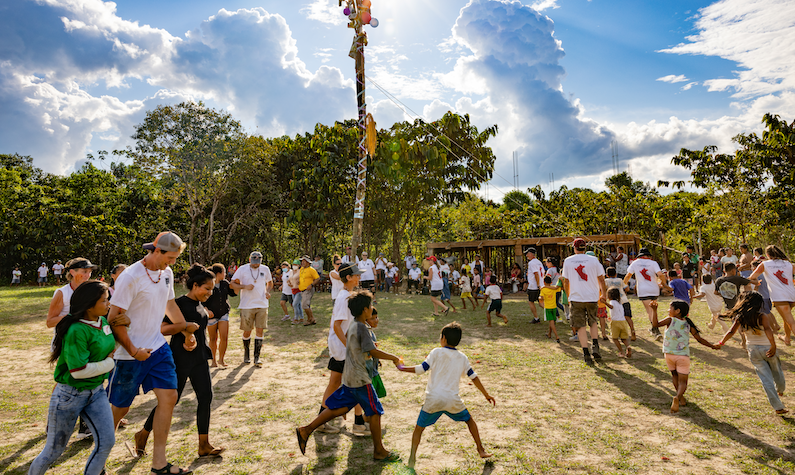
<point x="553" y="413"/>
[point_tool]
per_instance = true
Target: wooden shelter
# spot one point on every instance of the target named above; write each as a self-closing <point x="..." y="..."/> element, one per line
<point x="500" y="254"/>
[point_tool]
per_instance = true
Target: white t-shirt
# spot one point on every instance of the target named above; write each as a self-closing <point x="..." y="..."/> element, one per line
<point x="622" y="264"/>
<point x="57" y="269"/>
<point x="16" y="273"/>
<point x="144" y="297"/>
<point x="447" y="366"/>
<point x="455" y="276"/>
<point x="392" y="272"/>
<point x="380" y="263"/>
<point x="465" y="284"/>
<point x="66" y="293"/>
<point x="349" y="259"/>
<point x="254" y="298"/>
<point x="583" y="271"/>
<point x="336" y="285"/>
<point x="645" y="271"/>
<point x="415" y="273"/>
<point x="617" y="312"/>
<point x="436" y="278"/>
<point x="617" y="283"/>
<point x="714" y="301"/>
<point x="494" y="292"/>
<point x="43" y="271"/>
<point x="340" y="312"/>
<point x="445" y="269"/>
<point x="409" y="260"/>
<point x="778" y="275"/>
<point x="536" y="267"/>
<point x="367" y="266"/>
<point x="733" y="259"/>
<point x="286" y="289"/>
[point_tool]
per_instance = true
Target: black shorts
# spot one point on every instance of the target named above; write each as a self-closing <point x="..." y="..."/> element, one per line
<point x="436" y="293"/>
<point x="287" y="298"/>
<point x="367" y="284"/>
<point x="650" y="297"/>
<point x="495" y="306"/>
<point x="532" y="295"/>
<point x="627" y="310"/>
<point x="336" y="366"/>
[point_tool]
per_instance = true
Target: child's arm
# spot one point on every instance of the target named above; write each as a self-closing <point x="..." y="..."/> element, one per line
<point x="654" y="322"/>
<point x="382" y="355"/>
<point x="479" y="385"/>
<point x="700" y="295"/>
<point x="704" y="342"/>
<point x="769" y="334"/>
<point x="604" y="301"/>
<point x="735" y="326"/>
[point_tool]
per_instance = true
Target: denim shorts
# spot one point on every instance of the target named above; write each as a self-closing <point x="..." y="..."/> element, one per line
<point x="214" y="321"/>
<point x="156" y="372"/>
<point x="428" y="419"/>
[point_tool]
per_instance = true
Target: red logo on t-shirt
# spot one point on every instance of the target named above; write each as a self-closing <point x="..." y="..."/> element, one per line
<point x="780" y="275"/>
<point x="583" y="275"/>
<point x="645" y="274"/>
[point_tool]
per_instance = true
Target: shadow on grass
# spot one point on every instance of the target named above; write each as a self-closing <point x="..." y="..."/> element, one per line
<point x="6" y="462"/>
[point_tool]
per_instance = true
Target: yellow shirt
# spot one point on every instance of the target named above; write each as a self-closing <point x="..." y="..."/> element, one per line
<point x="307" y="276"/>
<point x="549" y="296"/>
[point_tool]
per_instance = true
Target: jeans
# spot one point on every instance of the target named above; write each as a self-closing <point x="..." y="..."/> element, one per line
<point x="445" y="289"/>
<point x="769" y="372"/>
<point x="298" y="311"/>
<point x="66" y="403"/>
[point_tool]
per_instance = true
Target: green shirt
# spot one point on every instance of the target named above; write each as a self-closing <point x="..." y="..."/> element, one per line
<point x="84" y="344"/>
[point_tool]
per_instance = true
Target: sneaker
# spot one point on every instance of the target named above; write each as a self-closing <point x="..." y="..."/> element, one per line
<point x="327" y="428"/>
<point x="574" y="338"/>
<point x="285" y="318"/>
<point x="83" y="432"/>
<point x="361" y="430"/>
<point x="588" y="360"/>
<point x="536" y="320"/>
<point x="658" y="337"/>
<point x="596" y="355"/>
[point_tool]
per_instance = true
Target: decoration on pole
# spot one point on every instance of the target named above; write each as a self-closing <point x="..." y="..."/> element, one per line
<point x="358" y="11"/>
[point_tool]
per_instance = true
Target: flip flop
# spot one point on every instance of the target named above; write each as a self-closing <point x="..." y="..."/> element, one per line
<point x="167" y="470"/>
<point x="135" y="452"/>
<point x="214" y="454"/>
<point x="301" y="442"/>
<point x="392" y="457"/>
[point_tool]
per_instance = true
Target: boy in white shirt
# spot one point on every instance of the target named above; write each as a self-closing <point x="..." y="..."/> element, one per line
<point x="494" y="292"/>
<point x="714" y="301"/>
<point x="619" y="329"/>
<point x="614" y="281"/>
<point x="441" y="394"/>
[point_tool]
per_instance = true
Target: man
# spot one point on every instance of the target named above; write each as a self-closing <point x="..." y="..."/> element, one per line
<point x="535" y="280"/>
<point x="367" y="266"/>
<point x="145" y="292"/>
<point x="57" y="270"/>
<point x="253" y="282"/>
<point x="307" y="281"/>
<point x="746" y="258"/>
<point x="410" y="260"/>
<point x="583" y="281"/>
<point x="42" y="274"/>
<point x="646" y="272"/>
<point x="349" y="258"/>
<point x="415" y="276"/>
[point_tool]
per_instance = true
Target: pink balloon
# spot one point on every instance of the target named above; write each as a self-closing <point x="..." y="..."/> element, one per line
<point x="366" y="17"/>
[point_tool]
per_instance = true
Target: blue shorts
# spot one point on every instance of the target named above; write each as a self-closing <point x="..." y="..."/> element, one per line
<point x="156" y="372"/>
<point x="425" y="419"/>
<point x="349" y="397"/>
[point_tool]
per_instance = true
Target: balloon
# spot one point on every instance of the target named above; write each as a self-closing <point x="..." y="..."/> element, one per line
<point x="374" y="22"/>
<point x="366" y="17"/>
<point x="347" y="11"/>
<point x="366" y="3"/>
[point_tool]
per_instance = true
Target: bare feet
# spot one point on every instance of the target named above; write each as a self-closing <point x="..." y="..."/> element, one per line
<point x="784" y="339"/>
<point x="629" y="352"/>
<point x="505" y="319"/>
<point x="483" y="454"/>
<point x="214" y="365"/>
<point x="633" y="337"/>
<point x="622" y="355"/>
<point x="675" y="406"/>
<point x="682" y="401"/>
<point x="222" y="364"/>
<point x="488" y="324"/>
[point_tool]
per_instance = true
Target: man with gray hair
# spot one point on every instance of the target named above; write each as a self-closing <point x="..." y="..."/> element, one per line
<point x="253" y="282"/>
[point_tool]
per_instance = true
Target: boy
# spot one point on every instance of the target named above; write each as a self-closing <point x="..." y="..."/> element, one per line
<point x="548" y="300"/>
<point x="613" y="281"/>
<point x="357" y="385"/>
<point x="16" y="276"/>
<point x="618" y="328"/>
<point x="466" y="291"/>
<point x="441" y="395"/>
<point x="714" y="301"/>
<point x="494" y="292"/>
<point x="682" y="289"/>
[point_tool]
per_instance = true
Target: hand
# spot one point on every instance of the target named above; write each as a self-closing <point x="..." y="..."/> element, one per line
<point x="491" y="399"/>
<point x="191" y="327"/>
<point x="210" y="314"/>
<point x="653" y="304"/>
<point x="249" y="287"/>
<point x="190" y="343"/>
<point x="398" y="362"/>
<point x="771" y="352"/>
<point x="142" y="354"/>
<point x="267" y="295"/>
<point x="120" y="320"/>
<point x="110" y="355"/>
<point x="717" y="347"/>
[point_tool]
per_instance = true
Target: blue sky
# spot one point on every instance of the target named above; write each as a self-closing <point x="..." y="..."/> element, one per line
<point x="561" y="78"/>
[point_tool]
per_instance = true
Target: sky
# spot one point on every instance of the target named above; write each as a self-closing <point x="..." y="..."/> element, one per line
<point x="567" y="82"/>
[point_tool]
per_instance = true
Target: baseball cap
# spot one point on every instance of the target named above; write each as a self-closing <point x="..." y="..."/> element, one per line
<point x="590" y="253"/>
<point x="643" y="252"/>
<point x="80" y="263"/>
<point x="432" y="258"/>
<point x="578" y="243"/>
<point x="167" y="242"/>
<point x="296" y="261"/>
<point x="347" y="268"/>
<point x="255" y="257"/>
<point x="530" y="249"/>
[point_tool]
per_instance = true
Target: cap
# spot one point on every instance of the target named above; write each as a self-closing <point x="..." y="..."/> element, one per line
<point x="80" y="263"/>
<point x="296" y="261"/>
<point x="285" y="263"/>
<point x="166" y="241"/>
<point x="432" y="258"/>
<point x="414" y="263"/>
<point x="530" y="249"/>
<point x="380" y="253"/>
<point x="590" y="253"/>
<point x="578" y="242"/>
<point x="644" y="252"/>
<point x="306" y="258"/>
<point x="255" y="257"/>
<point x="349" y="269"/>
<point x="389" y="264"/>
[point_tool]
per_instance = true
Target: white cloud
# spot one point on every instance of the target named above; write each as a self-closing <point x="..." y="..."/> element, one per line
<point x="673" y="78"/>
<point x="689" y="85"/>
<point x="541" y="5"/>
<point x="325" y="11"/>
<point x="759" y="35"/>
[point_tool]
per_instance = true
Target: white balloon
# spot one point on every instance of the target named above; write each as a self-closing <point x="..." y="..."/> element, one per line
<point x="374" y="22"/>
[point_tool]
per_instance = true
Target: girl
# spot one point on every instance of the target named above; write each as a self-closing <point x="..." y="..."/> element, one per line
<point x="287" y="291"/>
<point x="218" y="309"/>
<point x="676" y="345"/>
<point x="83" y="348"/>
<point x="435" y="278"/>
<point x="477" y="287"/>
<point x="191" y="364"/>
<point x="749" y="316"/>
<point x="778" y="275"/>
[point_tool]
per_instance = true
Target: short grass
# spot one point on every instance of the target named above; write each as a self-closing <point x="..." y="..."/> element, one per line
<point x="553" y="414"/>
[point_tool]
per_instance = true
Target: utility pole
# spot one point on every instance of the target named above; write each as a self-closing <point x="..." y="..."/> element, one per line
<point x="358" y="11"/>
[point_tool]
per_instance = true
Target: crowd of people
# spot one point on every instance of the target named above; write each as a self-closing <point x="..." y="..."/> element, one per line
<point x="117" y="331"/>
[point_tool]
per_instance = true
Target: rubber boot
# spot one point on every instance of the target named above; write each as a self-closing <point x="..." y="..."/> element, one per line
<point x="257" y="349"/>
<point x="247" y="351"/>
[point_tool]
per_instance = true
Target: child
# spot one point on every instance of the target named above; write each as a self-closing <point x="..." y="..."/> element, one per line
<point x="682" y="289"/>
<point x="676" y="346"/>
<point x="495" y="293"/>
<point x="357" y="387"/>
<point x="613" y="281"/>
<point x="441" y="396"/>
<point x="16" y="276"/>
<point x="477" y="287"/>
<point x="466" y="291"/>
<point x="749" y="315"/>
<point x="714" y="301"/>
<point x="601" y="312"/>
<point x="618" y="328"/>
<point x="548" y="300"/>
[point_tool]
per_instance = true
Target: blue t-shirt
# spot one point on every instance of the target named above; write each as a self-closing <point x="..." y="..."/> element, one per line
<point x="681" y="289"/>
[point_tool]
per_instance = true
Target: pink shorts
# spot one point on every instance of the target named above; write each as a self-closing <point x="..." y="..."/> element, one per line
<point x="678" y="363"/>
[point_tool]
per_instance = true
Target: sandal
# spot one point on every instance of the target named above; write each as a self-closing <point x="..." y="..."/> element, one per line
<point x="301" y="441"/>
<point x="392" y="457"/>
<point x="214" y="453"/>
<point x="167" y="470"/>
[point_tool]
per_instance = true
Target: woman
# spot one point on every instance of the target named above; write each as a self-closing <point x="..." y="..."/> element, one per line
<point x="83" y="348"/>
<point x="114" y="276"/>
<point x="334" y="275"/>
<point x="218" y="304"/>
<point x="191" y="364"/>
<point x="466" y="269"/>
<point x="380" y="269"/>
<point x="516" y="277"/>
<point x="778" y="272"/>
